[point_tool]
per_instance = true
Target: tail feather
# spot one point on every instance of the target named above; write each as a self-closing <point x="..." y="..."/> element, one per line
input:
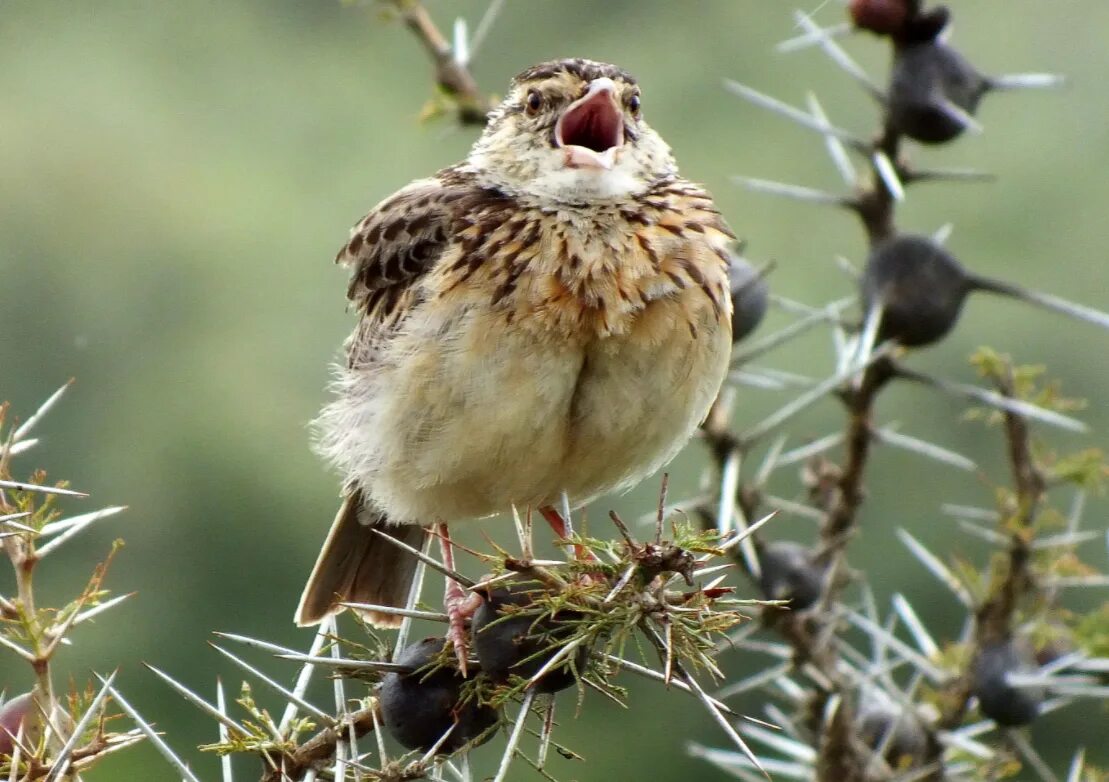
<point x="357" y="566"/>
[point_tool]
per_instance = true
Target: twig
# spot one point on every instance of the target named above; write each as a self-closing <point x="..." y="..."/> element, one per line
<point x="451" y="75"/>
<point x="321" y="747"/>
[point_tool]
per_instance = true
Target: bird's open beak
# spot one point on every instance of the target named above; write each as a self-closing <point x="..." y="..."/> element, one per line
<point x="592" y="127"/>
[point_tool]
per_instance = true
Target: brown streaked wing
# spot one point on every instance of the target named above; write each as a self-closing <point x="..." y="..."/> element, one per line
<point x="401" y="238"/>
<point x="398" y="242"/>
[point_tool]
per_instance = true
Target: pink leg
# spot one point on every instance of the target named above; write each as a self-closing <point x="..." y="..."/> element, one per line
<point x="459" y="604"/>
<point x="558" y="524"/>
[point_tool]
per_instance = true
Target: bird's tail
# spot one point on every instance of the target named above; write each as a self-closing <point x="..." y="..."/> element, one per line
<point x="357" y="566"/>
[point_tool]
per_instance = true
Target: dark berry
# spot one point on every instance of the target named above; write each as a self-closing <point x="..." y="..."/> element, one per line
<point x="750" y="296"/>
<point x="509" y="639"/>
<point x="907" y="745"/>
<point x="997" y="698"/>
<point x="921" y="287"/>
<point x="419" y="707"/>
<point x="924" y="26"/>
<point x="927" y="79"/>
<point x="789" y="571"/>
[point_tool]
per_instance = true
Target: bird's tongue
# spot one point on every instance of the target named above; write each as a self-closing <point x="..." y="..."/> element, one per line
<point x="591" y="131"/>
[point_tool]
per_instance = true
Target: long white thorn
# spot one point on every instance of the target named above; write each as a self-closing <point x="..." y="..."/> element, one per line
<point x="924" y="640"/>
<point x="807" y="39"/>
<point x="837" y="55"/>
<point x="75" y="527"/>
<point x="434" y="564"/>
<point x="304" y="676"/>
<point x="514" y="737"/>
<point x="659" y="676"/>
<point x="485" y="25"/>
<point x="890" y="436"/>
<point x="729" y="485"/>
<point x="1025" y="748"/>
<point x="414" y="593"/>
<point x="887" y="172"/>
<point x="95" y="611"/>
<point x="1076" y="766"/>
<point x="836" y="150"/>
<point x="225" y="759"/>
<point x="341" y="709"/>
<point x="63" y="525"/>
<point x="278" y="688"/>
<point x="196" y="700"/>
<point x="797" y="750"/>
<point x="999" y="401"/>
<point x="813" y="395"/>
<point x="722" y="721"/>
<point x="1027" y="81"/>
<point x="923" y="664"/>
<point x="460" y="46"/>
<point x="797" y="328"/>
<point x="340" y="662"/>
<point x="26" y="427"/>
<point x="151" y="734"/>
<point x="546" y="732"/>
<point x="960" y="115"/>
<point x="937" y="568"/>
<point x="794" y="192"/>
<point x="62" y="761"/>
<point x="21" y="486"/>
<point x="789" y="112"/>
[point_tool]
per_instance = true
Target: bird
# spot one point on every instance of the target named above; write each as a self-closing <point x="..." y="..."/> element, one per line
<point x="549" y="318"/>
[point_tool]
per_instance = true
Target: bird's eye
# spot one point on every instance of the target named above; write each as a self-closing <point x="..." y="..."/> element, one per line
<point x="633" y="105"/>
<point x="534" y="102"/>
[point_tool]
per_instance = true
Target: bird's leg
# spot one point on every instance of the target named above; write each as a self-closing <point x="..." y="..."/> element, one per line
<point x="558" y="524"/>
<point x="459" y="605"/>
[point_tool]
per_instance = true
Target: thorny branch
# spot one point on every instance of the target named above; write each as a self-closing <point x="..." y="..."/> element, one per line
<point x="875" y="207"/>
<point x="994" y="618"/>
<point x="100" y="745"/>
<point x="321" y="747"/>
<point x="839" y="491"/>
<point x="451" y="75"/>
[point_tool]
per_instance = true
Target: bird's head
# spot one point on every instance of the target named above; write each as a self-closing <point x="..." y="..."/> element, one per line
<point x="571" y="132"/>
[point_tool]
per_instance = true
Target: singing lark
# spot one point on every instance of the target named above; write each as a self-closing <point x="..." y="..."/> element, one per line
<point x="551" y="315"/>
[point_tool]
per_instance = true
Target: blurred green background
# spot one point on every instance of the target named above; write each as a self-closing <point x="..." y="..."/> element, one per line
<point x="176" y="177"/>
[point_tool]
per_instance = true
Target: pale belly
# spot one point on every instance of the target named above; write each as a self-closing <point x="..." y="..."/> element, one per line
<point x="464" y="417"/>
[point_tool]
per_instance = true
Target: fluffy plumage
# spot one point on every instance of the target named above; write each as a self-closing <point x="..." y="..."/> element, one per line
<point x="550" y="315"/>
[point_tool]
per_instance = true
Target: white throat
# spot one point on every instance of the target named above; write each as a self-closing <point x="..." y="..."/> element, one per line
<point x="565" y="184"/>
<point x="586" y="184"/>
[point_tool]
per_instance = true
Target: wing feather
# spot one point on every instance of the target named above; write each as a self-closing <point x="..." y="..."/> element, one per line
<point x="389" y="250"/>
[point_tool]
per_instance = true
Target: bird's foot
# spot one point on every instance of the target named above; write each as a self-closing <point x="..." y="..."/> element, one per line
<point x="460" y="606"/>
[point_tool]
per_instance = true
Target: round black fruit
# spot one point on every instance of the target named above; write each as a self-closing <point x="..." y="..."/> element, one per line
<point x="932" y="91"/>
<point x="509" y="639"/>
<point x="789" y="572"/>
<point x="920" y="285"/>
<point x="750" y="296"/>
<point x="998" y="699"/>
<point x="418" y="708"/>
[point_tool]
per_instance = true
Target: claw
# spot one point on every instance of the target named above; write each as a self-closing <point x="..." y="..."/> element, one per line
<point x="460" y="609"/>
<point x="459" y="604"/>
